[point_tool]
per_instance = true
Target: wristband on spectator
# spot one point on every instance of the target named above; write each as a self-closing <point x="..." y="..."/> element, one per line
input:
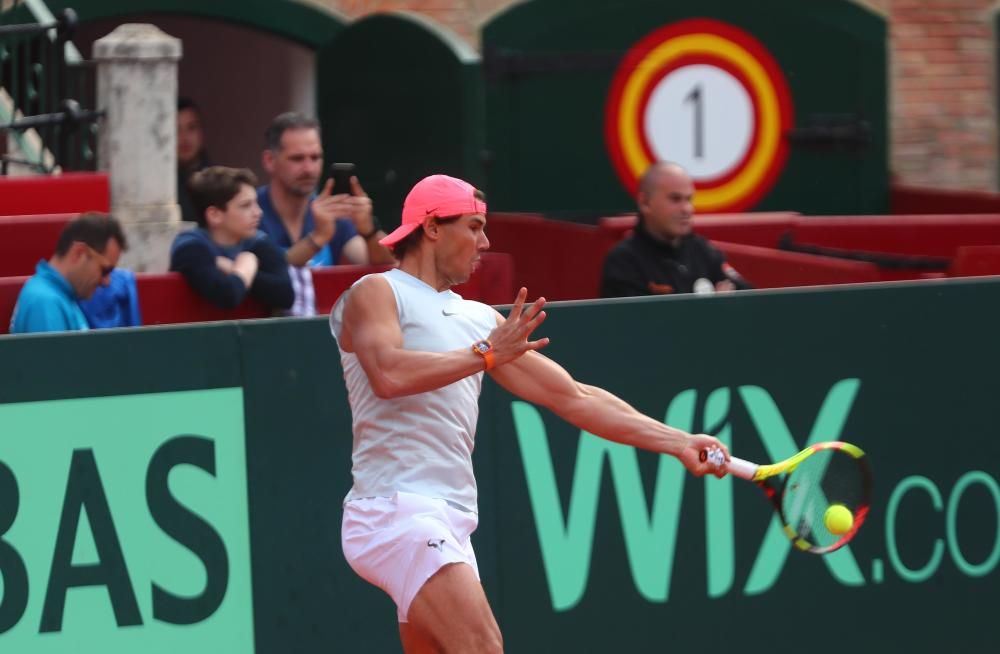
<point x="376" y="228"/>
<point x="312" y="242"/>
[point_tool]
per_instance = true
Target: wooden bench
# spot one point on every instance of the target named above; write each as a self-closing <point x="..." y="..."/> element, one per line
<point x="763" y="229"/>
<point x="24" y="240"/>
<point x="553" y="258"/>
<point x="771" y="268"/>
<point x="46" y="194"/>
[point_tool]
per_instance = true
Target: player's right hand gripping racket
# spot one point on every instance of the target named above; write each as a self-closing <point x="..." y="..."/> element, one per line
<point x="807" y="488"/>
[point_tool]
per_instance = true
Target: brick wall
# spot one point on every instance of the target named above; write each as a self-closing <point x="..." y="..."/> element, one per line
<point x="463" y="17"/>
<point x="942" y="93"/>
<point x="943" y="131"/>
<point x="456" y="15"/>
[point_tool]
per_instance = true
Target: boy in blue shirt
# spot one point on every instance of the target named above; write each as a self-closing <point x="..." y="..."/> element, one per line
<point x="227" y="257"/>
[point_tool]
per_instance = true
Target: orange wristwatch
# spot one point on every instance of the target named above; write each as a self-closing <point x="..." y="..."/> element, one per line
<point x="485" y="349"/>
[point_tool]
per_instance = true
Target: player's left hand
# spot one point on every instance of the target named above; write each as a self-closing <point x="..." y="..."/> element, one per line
<point x="510" y="338"/>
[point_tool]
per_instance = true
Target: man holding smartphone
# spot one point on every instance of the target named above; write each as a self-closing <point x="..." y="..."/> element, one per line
<point x="331" y="227"/>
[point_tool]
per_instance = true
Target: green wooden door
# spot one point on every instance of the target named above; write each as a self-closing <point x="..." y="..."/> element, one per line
<point x="549" y="82"/>
<point x="400" y="98"/>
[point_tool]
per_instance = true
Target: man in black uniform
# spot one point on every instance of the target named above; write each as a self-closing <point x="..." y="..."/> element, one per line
<point x="663" y="256"/>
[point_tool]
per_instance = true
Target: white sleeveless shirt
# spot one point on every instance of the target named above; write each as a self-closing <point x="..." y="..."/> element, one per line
<point x="419" y="443"/>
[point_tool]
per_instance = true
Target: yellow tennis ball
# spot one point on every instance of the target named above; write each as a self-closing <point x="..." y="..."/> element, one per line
<point x="838" y="519"/>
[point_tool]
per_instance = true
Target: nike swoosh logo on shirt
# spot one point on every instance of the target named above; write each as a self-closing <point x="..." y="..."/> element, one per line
<point x="450" y="313"/>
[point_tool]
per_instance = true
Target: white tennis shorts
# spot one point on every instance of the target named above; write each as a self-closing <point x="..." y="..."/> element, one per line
<point x="397" y="543"/>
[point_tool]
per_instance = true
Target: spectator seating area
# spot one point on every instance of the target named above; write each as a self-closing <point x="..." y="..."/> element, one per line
<point x="563" y="261"/>
<point x="166" y="298"/>
<point x="31" y="222"/>
<point x="557" y="259"/>
<point x="808" y="250"/>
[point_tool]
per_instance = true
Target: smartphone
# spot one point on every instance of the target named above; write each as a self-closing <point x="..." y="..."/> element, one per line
<point x="341" y="174"/>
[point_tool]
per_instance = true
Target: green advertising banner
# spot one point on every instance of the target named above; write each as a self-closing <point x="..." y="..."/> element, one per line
<point x="129" y="526"/>
<point x="604" y="548"/>
<point x="179" y="489"/>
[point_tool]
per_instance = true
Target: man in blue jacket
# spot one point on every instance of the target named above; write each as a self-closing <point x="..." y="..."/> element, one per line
<point x="87" y="251"/>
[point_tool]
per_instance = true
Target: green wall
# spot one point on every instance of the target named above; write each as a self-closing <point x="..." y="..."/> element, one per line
<point x="169" y="488"/>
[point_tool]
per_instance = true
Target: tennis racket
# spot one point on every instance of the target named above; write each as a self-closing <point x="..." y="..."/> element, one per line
<point x="804" y="487"/>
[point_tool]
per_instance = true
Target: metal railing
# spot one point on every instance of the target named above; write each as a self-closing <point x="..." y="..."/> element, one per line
<point x="44" y="85"/>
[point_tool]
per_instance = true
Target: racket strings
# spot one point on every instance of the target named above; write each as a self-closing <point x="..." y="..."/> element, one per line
<point x="826" y="478"/>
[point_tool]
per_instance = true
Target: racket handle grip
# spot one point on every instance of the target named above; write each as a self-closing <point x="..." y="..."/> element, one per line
<point x="737" y="467"/>
<point x="741" y="468"/>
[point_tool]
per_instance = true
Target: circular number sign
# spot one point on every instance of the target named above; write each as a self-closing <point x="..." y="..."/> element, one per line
<point x="709" y="97"/>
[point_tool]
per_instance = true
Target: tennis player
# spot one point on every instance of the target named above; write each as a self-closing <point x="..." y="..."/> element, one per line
<point x="413" y="354"/>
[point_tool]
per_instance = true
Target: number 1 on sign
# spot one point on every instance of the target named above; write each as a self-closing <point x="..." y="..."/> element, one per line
<point x="694" y="97"/>
<point x="701" y="117"/>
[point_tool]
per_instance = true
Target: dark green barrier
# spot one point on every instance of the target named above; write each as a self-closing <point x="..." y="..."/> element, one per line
<point x="210" y="462"/>
<point x="908" y="373"/>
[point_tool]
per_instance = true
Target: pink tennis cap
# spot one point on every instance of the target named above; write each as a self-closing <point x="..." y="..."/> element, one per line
<point x="437" y="195"/>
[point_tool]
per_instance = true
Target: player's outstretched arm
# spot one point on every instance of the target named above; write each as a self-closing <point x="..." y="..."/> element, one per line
<point x="540" y="380"/>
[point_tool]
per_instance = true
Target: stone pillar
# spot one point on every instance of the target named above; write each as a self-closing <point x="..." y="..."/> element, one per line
<point x="137" y="144"/>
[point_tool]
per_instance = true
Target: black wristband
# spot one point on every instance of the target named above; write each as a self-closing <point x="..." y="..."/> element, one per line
<point x="312" y="242"/>
<point x="376" y="228"/>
